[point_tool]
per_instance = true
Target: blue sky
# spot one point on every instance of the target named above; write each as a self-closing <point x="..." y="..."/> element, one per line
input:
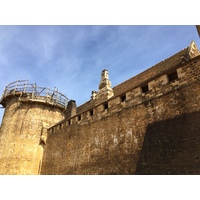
<point x="71" y="58"/>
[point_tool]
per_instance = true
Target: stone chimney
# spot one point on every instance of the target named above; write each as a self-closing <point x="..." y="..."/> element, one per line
<point x="71" y="109"/>
<point x="105" y="91"/>
<point x="94" y="93"/>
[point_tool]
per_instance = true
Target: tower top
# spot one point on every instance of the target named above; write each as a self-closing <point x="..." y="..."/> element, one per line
<point x="31" y="92"/>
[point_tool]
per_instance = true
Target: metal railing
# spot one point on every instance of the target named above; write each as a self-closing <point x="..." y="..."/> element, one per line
<point x="35" y="92"/>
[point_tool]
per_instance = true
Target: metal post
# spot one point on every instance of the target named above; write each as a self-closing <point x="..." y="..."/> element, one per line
<point x="15" y="87"/>
<point x="25" y="86"/>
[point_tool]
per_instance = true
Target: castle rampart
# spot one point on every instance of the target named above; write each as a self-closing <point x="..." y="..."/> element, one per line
<point x="107" y="138"/>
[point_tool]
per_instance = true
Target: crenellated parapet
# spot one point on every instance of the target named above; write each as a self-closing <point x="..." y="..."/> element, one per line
<point x="168" y="82"/>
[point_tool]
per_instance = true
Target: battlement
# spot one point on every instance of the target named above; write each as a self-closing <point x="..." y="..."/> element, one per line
<point x="180" y="77"/>
<point x="162" y="78"/>
<point x="29" y="92"/>
<point x="164" y="67"/>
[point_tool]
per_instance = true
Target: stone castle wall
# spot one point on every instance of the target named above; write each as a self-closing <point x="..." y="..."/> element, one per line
<point x="82" y="145"/>
<point x="148" y="124"/>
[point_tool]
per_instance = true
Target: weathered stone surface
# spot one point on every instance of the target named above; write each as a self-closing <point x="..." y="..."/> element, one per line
<point x="171" y="147"/>
<point x="23" y="134"/>
<point x="118" y="140"/>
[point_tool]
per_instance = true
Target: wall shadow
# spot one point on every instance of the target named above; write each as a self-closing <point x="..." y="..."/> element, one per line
<point x="171" y="147"/>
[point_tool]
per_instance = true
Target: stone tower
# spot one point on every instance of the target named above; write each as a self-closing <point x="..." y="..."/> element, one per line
<point x="29" y="111"/>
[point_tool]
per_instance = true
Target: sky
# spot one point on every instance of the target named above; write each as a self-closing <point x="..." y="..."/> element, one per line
<point x="71" y="57"/>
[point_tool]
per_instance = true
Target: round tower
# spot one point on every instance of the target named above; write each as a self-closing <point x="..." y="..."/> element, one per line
<point x="29" y="111"/>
